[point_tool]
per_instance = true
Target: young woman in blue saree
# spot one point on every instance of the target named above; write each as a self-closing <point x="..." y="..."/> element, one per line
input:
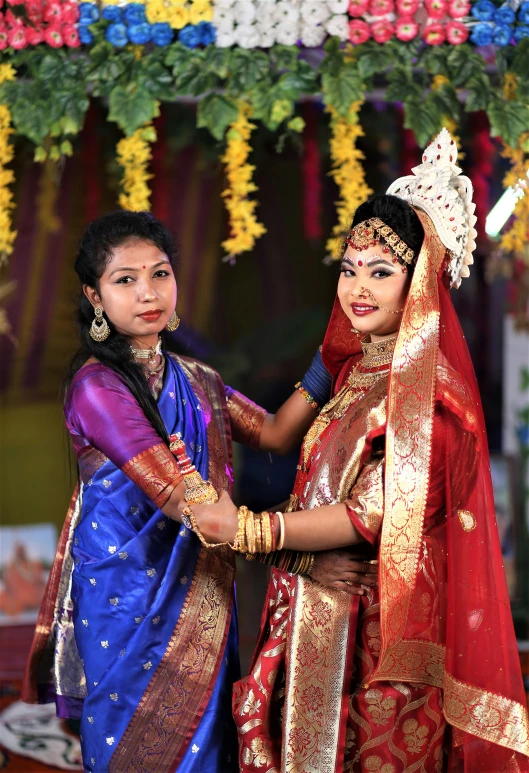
<point x="137" y="634"/>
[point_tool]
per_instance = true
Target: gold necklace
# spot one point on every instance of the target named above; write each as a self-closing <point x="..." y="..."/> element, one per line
<point x="149" y="354"/>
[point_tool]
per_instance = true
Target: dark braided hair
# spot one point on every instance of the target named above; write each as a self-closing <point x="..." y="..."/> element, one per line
<point x="400" y="217"/>
<point x="100" y="239"/>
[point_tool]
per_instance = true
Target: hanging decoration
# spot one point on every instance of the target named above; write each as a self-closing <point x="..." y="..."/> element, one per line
<point x="7" y="176"/>
<point x="347" y="172"/>
<point x="134" y="154"/>
<point x="245" y="229"/>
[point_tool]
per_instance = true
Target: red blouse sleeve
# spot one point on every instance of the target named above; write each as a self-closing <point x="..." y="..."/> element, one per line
<point x="246" y="418"/>
<point x="365" y="506"/>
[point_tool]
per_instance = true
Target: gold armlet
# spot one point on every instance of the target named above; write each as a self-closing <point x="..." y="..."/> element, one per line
<point x="307" y="396"/>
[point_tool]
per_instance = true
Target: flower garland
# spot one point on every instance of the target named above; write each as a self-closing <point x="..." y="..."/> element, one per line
<point x="244" y="226"/>
<point x="347" y="172"/>
<point x="516" y="239"/>
<point x="133" y="155"/>
<point x="7" y="176"/>
<point x="499" y="25"/>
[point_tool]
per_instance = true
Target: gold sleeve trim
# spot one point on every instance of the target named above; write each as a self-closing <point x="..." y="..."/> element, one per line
<point x="365" y="506"/>
<point x="246" y="418"/>
<point x="155" y="472"/>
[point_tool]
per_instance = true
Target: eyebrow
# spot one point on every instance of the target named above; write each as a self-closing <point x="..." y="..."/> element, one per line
<point x="375" y="262"/>
<point x="124" y="268"/>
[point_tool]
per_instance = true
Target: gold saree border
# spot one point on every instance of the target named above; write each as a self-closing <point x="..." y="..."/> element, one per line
<point x="408" y="443"/>
<point x="158" y="733"/>
<point x="155" y="472"/>
<point x="415" y="660"/>
<point x="486" y="715"/>
<point x="316" y="669"/>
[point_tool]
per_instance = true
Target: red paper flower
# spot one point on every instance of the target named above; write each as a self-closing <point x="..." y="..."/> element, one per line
<point x="434" y="34"/>
<point x="456" y="33"/>
<point x="12" y="20"/>
<point x="70" y="36"/>
<point x="381" y="7"/>
<point x="35" y="36"/>
<point x="53" y="36"/>
<point x="407" y="7"/>
<point x="382" y="30"/>
<point x="406" y="28"/>
<point x="70" y="13"/>
<point x="35" y="13"/>
<point x="358" y="7"/>
<point x="437" y="9"/>
<point x="53" y="12"/>
<point x="358" y="31"/>
<point x="3" y="40"/>
<point x="17" y="37"/>
<point x="458" y="8"/>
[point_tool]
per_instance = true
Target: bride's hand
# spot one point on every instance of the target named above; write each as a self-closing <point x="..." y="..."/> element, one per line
<point x="342" y="570"/>
<point x="217" y="522"/>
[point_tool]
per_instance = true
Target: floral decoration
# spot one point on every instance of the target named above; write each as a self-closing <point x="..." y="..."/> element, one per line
<point x="7" y="176"/>
<point x="133" y="155"/>
<point x="347" y="172"/>
<point x="245" y="229"/>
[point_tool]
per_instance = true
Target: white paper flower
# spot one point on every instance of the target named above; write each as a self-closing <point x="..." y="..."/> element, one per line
<point x="285" y="13"/>
<point x="338" y="6"/>
<point x="223" y="18"/>
<point x="287" y="34"/>
<point x="314" y="12"/>
<point x="312" y="35"/>
<point x="222" y="3"/>
<point x="244" y="12"/>
<point x="339" y="26"/>
<point x="225" y="38"/>
<point x="247" y="36"/>
<point x="267" y="34"/>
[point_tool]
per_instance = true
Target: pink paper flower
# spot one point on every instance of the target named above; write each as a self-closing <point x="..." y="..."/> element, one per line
<point x="458" y="8"/>
<point x="12" y="20"/>
<point x="53" y="12"/>
<point x="381" y="7"/>
<point x="437" y="9"/>
<point x="358" y="7"/>
<point x="434" y="34"/>
<point x="407" y="7"/>
<point x="358" y="31"/>
<point x="3" y="40"/>
<point x="53" y="36"/>
<point x="17" y="38"/>
<point x="456" y="33"/>
<point x="382" y="30"/>
<point x="70" y="13"/>
<point x="70" y="36"/>
<point x="35" y="36"/>
<point x="406" y="28"/>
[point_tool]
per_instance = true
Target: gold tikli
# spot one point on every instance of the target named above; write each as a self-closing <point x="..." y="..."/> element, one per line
<point x="368" y="232"/>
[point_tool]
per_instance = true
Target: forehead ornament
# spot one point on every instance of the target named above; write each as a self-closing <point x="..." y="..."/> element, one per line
<point x="367" y="234"/>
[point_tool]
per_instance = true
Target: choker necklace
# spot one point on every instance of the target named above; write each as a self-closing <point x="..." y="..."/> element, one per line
<point x="149" y="354"/>
<point x="378" y="353"/>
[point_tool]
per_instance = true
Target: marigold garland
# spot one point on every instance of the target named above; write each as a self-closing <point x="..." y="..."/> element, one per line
<point x="347" y="172"/>
<point x="516" y="239"/>
<point x="7" y="176"/>
<point x="134" y="154"/>
<point x="244" y="226"/>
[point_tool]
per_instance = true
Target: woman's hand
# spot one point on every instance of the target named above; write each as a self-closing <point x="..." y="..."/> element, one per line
<point x="217" y="522"/>
<point x="340" y="569"/>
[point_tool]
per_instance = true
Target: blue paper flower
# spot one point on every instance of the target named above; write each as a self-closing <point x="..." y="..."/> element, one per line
<point x="139" y="33"/>
<point x="504" y="15"/>
<point x="189" y="36"/>
<point x="161" y="33"/>
<point x="207" y="32"/>
<point x="88" y="13"/>
<point x="502" y="35"/>
<point x="134" y="13"/>
<point x="521" y="32"/>
<point x="112" y="13"/>
<point x="116" y="34"/>
<point x="523" y="13"/>
<point x="483" y="10"/>
<point x="481" y="34"/>
<point x="85" y="36"/>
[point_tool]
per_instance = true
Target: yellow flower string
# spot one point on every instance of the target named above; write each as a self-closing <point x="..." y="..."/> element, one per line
<point x="516" y="239"/>
<point x="245" y="228"/>
<point x="178" y="13"/>
<point x="347" y="172"/>
<point x="133" y="155"/>
<point x="7" y="176"/>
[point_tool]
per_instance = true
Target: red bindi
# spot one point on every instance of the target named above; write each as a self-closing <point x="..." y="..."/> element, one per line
<point x="143" y="266"/>
<point x="360" y="263"/>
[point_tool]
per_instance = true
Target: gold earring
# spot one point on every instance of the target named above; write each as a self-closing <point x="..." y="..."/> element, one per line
<point x="99" y="330"/>
<point x="173" y="323"/>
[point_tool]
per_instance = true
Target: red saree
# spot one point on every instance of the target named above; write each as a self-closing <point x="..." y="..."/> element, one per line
<point x="424" y="674"/>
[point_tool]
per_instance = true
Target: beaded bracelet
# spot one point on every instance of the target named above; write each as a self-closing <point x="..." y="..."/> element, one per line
<point x="308" y="397"/>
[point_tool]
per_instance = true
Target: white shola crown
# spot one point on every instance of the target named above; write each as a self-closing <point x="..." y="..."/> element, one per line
<point x="438" y="188"/>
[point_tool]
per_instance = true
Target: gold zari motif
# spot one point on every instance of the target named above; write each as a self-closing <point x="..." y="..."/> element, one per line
<point x="467" y="520"/>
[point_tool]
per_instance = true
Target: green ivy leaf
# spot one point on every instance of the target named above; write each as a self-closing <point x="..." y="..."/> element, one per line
<point x="248" y="68"/>
<point x="131" y="106"/>
<point x="464" y="64"/>
<point x="520" y="63"/>
<point x="216" y="112"/>
<point x="156" y="79"/>
<point x="218" y="61"/>
<point x="342" y="90"/>
<point x="284" y="57"/>
<point x="401" y="86"/>
<point x="193" y="78"/>
<point x="302" y="80"/>
<point x="508" y="119"/>
<point x="434" y="60"/>
<point x="106" y="65"/>
<point x="423" y="117"/>
<point x="177" y="56"/>
<point x="446" y="101"/>
<point x="296" y="124"/>
<point x="478" y="93"/>
<point x="373" y="59"/>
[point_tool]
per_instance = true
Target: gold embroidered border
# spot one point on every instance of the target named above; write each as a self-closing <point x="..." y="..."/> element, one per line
<point x="155" y="472"/>
<point x="408" y="441"/>
<point x="90" y="461"/>
<point x="414" y="660"/>
<point x="486" y="715"/>
<point x="366" y="504"/>
<point x="156" y="734"/>
<point x="316" y="669"/>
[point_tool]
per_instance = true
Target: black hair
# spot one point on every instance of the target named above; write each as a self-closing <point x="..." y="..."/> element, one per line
<point x="100" y="239"/>
<point x="400" y="217"/>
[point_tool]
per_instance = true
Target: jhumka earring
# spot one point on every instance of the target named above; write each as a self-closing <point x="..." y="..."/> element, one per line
<point x="99" y="329"/>
<point x="173" y="323"/>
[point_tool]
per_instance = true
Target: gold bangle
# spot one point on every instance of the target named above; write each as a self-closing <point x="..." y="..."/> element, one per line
<point x="239" y="543"/>
<point x="190" y="522"/>
<point x="250" y="533"/>
<point x="281" y="540"/>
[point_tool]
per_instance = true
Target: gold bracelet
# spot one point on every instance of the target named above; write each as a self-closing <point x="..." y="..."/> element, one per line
<point x="239" y="543"/>
<point x="250" y="532"/>
<point x="190" y="522"/>
<point x="281" y="541"/>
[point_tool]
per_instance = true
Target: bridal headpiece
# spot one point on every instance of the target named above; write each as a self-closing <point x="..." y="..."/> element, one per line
<point x="438" y="188"/>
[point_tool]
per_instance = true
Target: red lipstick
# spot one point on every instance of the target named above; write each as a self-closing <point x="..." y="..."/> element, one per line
<point x="151" y="316"/>
<point x="362" y="310"/>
